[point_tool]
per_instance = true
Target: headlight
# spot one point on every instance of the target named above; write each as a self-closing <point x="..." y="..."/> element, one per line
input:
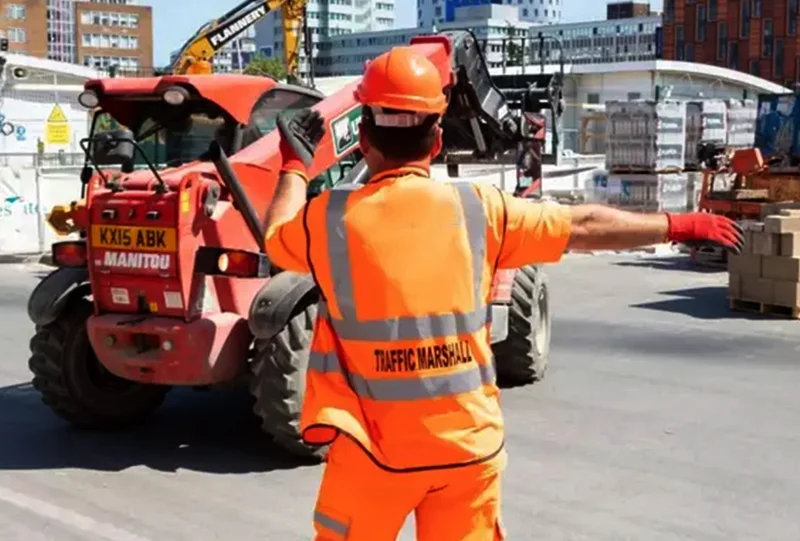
<point x="175" y="95"/>
<point x="89" y="99"/>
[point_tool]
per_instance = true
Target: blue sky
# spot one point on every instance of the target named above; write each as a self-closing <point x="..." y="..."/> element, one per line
<point x="174" y="24"/>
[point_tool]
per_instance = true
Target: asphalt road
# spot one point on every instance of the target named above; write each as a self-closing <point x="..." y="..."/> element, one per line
<point x="663" y="417"/>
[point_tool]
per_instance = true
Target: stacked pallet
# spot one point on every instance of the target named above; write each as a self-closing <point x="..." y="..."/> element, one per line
<point x="646" y="143"/>
<point x="741" y="123"/>
<point x="645" y="136"/>
<point x="728" y="123"/>
<point x="765" y="278"/>
<point x="706" y="122"/>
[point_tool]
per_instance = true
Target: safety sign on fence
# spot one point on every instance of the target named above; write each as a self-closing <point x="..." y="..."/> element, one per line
<point x="57" y="127"/>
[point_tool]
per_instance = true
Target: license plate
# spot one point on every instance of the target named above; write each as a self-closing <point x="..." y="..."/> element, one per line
<point x="150" y="239"/>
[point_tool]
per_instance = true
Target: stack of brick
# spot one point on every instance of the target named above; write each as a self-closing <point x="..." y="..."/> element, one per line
<point x="766" y="276"/>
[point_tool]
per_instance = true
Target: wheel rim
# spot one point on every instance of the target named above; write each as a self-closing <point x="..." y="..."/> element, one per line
<point x="542" y="330"/>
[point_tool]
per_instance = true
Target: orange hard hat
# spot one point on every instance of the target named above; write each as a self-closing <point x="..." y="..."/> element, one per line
<point x="404" y="80"/>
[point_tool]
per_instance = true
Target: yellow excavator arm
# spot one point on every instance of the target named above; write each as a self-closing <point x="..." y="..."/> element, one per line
<point x="196" y="54"/>
<point x="294" y="12"/>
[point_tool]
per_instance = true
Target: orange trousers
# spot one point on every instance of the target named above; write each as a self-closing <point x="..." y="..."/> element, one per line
<point x="360" y="501"/>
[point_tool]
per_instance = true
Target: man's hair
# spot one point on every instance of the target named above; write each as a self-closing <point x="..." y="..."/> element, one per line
<point x="400" y="144"/>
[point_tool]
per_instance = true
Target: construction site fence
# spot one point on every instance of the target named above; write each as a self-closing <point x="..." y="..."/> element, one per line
<point x="30" y="185"/>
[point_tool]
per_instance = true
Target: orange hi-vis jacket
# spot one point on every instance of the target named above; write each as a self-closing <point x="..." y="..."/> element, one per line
<point x="400" y="359"/>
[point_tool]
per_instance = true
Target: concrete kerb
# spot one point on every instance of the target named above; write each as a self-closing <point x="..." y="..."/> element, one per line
<point x="36" y="258"/>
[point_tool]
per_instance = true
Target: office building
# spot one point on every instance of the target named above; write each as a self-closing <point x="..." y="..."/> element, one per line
<point x="594" y="42"/>
<point x="603" y="42"/>
<point x="24" y="24"/>
<point x="237" y="54"/>
<point x="627" y="10"/>
<point x="61" y="30"/>
<point x="437" y="12"/>
<point x="345" y="55"/>
<point x="94" y="33"/>
<point x="759" y="37"/>
<point x="326" y="19"/>
<point x="113" y="33"/>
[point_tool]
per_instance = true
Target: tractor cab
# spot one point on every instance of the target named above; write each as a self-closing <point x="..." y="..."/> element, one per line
<point x="151" y="130"/>
<point x="150" y="133"/>
<point x="160" y="134"/>
<point x="168" y="122"/>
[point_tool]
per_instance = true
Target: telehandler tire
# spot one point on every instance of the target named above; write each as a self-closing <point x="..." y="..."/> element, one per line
<point x="74" y="384"/>
<point x="523" y="356"/>
<point x="278" y="382"/>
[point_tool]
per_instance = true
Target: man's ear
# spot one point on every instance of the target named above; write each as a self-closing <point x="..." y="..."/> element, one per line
<point x="363" y="144"/>
<point x="438" y="144"/>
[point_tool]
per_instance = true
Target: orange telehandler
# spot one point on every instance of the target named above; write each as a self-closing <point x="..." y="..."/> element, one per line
<point x="169" y="284"/>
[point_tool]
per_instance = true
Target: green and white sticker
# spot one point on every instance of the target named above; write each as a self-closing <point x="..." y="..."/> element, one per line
<point x="344" y="131"/>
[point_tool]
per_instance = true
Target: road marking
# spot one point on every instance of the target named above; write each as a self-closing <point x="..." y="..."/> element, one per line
<point x="67" y="517"/>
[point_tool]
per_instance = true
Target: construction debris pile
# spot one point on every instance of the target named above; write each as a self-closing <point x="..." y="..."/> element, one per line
<point x="765" y="278"/>
<point x="651" y="149"/>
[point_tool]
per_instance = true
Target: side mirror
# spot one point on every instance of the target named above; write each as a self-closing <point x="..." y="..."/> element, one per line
<point x="86" y="174"/>
<point x="113" y="148"/>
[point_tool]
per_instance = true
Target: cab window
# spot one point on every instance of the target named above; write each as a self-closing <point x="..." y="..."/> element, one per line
<point x="170" y="139"/>
<point x="263" y="118"/>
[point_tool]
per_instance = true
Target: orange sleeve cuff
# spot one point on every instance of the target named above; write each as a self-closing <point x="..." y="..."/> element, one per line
<point x="286" y="245"/>
<point x="557" y="228"/>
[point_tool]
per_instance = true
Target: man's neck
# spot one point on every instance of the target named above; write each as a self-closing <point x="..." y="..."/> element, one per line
<point x="425" y="165"/>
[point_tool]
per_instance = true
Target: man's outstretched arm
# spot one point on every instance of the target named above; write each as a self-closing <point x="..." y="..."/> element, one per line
<point x="540" y="232"/>
<point x="597" y="227"/>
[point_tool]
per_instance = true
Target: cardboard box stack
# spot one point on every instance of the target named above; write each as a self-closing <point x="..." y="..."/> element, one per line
<point x="766" y="276"/>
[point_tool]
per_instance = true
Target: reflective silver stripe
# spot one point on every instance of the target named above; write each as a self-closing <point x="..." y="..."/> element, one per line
<point x="414" y="388"/>
<point x="475" y="217"/>
<point x="324" y="362"/>
<point x="339" y="254"/>
<point x="440" y="386"/>
<point x="331" y="524"/>
<point x="412" y="328"/>
<point x="404" y="328"/>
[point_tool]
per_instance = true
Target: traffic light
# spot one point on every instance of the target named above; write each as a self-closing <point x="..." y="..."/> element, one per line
<point x="3" y="44"/>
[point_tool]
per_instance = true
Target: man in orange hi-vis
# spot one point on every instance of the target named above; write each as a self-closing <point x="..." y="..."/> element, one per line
<point x="400" y="378"/>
